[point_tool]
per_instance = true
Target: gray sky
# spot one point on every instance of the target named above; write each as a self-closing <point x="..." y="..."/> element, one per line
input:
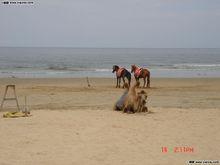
<point x="112" y="23"/>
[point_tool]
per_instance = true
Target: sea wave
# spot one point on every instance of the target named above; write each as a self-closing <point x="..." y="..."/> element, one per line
<point x="182" y="70"/>
<point x="183" y="66"/>
<point x="196" y="66"/>
<point x="58" y="68"/>
<point x="103" y="70"/>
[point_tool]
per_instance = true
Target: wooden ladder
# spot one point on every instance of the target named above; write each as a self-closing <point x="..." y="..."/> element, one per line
<point x="10" y="98"/>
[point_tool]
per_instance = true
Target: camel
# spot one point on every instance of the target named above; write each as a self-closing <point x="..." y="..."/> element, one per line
<point x="131" y="101"/>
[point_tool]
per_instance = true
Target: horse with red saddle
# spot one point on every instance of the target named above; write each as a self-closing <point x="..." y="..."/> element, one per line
<point x="141" y="73"/>
<point x="121" y="73"/>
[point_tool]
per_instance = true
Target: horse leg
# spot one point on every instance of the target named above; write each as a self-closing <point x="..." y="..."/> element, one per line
<point x="117" y="83"/>
<point x="129" y="82"/>
<point x="137" y="80"/>
<point x="129" y="79"/>
<point x="123" y="78"/>
<point x="144" y="82"/>
<point x="148" y="81"/>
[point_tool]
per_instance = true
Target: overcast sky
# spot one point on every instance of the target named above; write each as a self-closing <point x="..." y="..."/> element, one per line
<point x="112" y="23"/>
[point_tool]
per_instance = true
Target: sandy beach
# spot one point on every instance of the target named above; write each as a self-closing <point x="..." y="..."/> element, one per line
<point x="74" y="124"/>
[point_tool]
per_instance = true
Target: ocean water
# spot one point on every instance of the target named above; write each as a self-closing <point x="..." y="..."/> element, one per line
<point x="72" y="62"/>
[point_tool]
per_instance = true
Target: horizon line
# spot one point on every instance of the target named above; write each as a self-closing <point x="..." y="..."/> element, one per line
<point x="109" y="47"/>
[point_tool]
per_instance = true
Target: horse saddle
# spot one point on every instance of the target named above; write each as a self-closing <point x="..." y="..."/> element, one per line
<point x="119" y="72"/>
<point x="138" y="72"/>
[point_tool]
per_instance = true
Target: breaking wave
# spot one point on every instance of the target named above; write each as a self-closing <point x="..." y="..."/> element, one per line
<point x="197" y="66"/>
<point x="58" y="68"/>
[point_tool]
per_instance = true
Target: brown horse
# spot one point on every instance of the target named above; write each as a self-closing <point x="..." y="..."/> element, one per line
<point x="141" y="73"/>
<point x="121" y="73"/>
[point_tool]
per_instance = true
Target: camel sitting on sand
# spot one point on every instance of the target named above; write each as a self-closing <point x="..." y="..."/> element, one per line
<point x="135" y="102"/>
<point x="131" y="101"/>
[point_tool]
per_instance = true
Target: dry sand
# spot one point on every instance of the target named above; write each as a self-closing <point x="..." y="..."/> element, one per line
<point x="74" y="124"/>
